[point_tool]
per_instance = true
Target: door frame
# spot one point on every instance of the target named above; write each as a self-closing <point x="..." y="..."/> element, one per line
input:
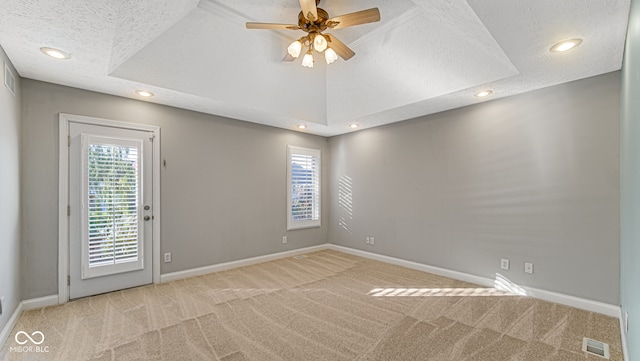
<point x="63" y="194"/>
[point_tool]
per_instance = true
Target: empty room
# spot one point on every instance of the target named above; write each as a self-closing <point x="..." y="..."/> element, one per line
<point x="320" y="180"/>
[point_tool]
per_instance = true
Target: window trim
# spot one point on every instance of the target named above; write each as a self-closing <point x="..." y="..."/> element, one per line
<point x="291" y="225"/>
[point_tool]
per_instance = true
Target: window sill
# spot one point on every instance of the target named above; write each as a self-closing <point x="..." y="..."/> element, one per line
<point x="303" y="226"/>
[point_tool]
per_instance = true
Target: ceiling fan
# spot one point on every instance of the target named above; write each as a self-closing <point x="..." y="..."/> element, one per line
<point x="314" y="21"/>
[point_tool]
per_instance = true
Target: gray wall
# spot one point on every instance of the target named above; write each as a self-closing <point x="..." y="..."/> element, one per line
<point x="630" y="179"/>
<point x="223" y="191"/>
<point x="533" y="177"/>
<point x="9" y="194"/>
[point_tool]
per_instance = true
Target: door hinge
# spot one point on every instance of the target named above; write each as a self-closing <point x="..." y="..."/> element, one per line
<point x="68" y="210"/>
<point x="68" y="280"/>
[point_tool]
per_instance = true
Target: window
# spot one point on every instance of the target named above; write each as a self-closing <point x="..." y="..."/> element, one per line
<point x="303" y="187"/>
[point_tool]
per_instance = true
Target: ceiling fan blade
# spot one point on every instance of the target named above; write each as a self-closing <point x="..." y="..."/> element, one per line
<point x="271" y="26"/>
<point x="338" y="46"/>
<point x="309" y="9"/>
<point x="357" y="18"/>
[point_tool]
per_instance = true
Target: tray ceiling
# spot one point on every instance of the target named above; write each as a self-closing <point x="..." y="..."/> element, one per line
<point x="422" y="57"/>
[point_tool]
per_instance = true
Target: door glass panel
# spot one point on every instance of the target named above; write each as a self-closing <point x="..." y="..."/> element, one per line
<point x="112" y="187"/>
<point x="113" y="204"/>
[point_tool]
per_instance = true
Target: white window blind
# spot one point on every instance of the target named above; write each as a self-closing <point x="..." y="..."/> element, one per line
<point x="111" y="213"/>
<point x="303" y="187"/>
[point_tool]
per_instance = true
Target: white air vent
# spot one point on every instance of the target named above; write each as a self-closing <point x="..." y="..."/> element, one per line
<point x="9" y="79"/>
<point x="300" y="256"/>
<point x="594" y="347"/>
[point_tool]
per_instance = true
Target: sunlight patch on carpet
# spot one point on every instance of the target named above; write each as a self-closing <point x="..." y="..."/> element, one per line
<point x="438" y="292"/>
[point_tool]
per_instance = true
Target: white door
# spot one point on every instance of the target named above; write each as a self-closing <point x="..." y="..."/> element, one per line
<point x="110" y="221"/>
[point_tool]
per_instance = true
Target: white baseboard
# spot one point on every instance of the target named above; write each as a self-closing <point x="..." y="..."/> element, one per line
<point x="6" y="330"/>
<point x="623" y="335"/>
<point x="416" y="266"/>
<point x="577" y="302"/>
<point x="581" y="303"/>
<point x="239" y="263"/>
<point x="40" y="302"/>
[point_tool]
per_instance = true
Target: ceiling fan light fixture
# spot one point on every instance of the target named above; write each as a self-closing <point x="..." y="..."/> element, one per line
<point x="307" y="61"/>
<point x="330" y="56"/>
<point x="319" y="42"/>
<point x="313" y="21"/>
<point x="295" y="48"/>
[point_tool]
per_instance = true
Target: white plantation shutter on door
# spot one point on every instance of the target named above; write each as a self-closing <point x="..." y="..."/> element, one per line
<point x="111" y="219"/>
<point x="303" y="187"/>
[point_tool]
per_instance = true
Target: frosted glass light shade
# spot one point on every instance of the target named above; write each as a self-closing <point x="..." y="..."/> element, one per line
<point x="330" y="56"/>
<point x="295" y="48"/>
<point x="307" y="60"/>
<point x="319" y="43"/>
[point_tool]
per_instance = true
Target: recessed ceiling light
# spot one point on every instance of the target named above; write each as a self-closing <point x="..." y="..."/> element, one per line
<point x="144" y="93"/>
<point x="302" y="126"/>
<point x="354" y="126"/>
<point x="484" y="93"/>
<point x="565" y="45"/>
<point x="55" y="53"/>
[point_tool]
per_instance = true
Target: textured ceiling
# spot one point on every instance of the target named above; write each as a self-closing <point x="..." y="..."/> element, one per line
<point x="422" y="57"/>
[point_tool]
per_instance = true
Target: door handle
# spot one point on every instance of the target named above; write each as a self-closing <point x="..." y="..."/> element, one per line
<point x="146" y="218"/>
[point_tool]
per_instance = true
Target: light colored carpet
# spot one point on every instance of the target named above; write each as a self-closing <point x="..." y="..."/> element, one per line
<point x="327" y="306"/>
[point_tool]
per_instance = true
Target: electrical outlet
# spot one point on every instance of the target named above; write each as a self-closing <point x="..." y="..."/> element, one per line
<point x="372" y="241"/>
<point x="366" y="240"/>
<point x="167" y="257"/>
<point x="284" y="239"/>
<point x="528" y="267"/>
<point x="504" y="264"/>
